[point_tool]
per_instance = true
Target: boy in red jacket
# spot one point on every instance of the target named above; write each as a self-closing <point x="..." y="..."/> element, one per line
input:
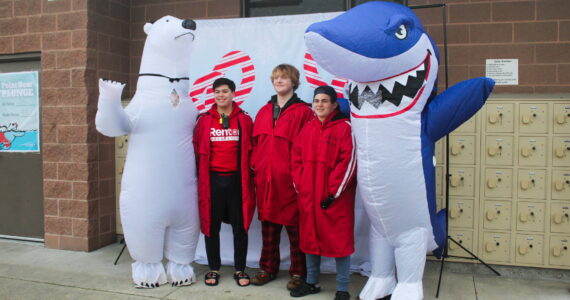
<point x="222" y="143"/>
<point x="324" y="165"/>
<point x="276" y="125"/>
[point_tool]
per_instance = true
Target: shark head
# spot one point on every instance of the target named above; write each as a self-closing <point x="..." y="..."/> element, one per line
<point x="384" y="51"/>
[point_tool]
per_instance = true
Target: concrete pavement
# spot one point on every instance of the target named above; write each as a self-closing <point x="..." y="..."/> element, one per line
<point x="30" y="271"/>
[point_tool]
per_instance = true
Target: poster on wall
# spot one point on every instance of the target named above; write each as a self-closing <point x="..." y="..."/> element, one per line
<point x="19" y="112"/>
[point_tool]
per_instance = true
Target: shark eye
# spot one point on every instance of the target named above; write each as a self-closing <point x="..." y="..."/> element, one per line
<point x="402" y="32"/>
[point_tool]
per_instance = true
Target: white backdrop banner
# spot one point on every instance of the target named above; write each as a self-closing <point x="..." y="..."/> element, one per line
<point x="246" y="50"/>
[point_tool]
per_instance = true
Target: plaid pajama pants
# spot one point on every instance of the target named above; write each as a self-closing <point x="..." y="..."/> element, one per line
<point x="270" y="256"/>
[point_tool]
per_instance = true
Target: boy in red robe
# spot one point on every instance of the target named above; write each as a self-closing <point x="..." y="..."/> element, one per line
<point x="276" y="125"/>
<point x="324" y="165"/>
<point x="222" y="144"/>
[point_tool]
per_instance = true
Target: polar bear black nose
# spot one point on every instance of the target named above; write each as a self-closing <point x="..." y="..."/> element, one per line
<point x="189" y="24"/>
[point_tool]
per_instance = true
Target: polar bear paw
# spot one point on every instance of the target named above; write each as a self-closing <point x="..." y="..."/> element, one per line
<point x="144" y="285"/>
<point x="148" y="275"/>
<point x="180" y="274"/>
<point x="110" y="89"/>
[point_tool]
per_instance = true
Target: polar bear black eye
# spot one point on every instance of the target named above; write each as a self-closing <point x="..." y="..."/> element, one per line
<point x="167" y="20"/>
<point x="402" y="32"/>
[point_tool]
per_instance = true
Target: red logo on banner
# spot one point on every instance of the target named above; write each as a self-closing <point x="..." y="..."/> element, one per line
<point x="203" y="85"/>
<point x="202" y="93"/>
<point x="315" y="80"/>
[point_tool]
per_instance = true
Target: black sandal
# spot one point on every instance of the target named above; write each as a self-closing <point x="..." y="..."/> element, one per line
<point x="212" y="275"/>
<point x="239" y="275"/>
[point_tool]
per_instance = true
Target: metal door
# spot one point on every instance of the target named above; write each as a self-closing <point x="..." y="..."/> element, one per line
<point x="21" y="179"/>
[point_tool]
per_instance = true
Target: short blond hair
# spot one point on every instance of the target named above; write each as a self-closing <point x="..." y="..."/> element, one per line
<point x="289" y="71"/>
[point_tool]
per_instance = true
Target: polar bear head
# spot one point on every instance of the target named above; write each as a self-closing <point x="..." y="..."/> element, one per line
<point x="168" y="46"/>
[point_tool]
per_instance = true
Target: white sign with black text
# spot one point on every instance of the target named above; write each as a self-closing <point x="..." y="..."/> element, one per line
<point x="503" y="71"/>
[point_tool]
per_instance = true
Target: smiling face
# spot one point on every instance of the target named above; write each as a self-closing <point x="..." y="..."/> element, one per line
<point x="223" y="96"/>
<point x="285" y="79"/>
<point x="282" y="84"/>
<point x="323" y="106"/>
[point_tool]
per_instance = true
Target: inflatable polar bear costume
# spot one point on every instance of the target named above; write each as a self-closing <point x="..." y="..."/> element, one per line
<point x="158" y="200"/>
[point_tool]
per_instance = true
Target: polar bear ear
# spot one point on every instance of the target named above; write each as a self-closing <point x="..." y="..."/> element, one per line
<point x="147" y="27"/>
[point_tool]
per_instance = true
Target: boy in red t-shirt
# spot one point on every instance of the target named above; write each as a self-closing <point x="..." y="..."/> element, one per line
<point x="222" y="143"/>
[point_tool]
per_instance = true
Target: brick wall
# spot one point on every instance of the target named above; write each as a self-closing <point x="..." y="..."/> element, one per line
<point x="57" y="29"/>
<point x="143" y="11"/>
<point x="83" y="40"/>
<point x="109" y="58"/>
<point x="537" y="32"/>
<point x="78" y="164"/>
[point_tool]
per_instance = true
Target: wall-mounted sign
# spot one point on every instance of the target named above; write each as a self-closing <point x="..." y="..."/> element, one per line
<point x="503" y="71"/>
<point x="19" y="112"/>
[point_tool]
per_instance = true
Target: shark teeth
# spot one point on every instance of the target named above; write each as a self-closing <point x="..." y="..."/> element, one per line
<point x="414" y="73"/>
<point x="351" y="86"/>
<point x="403" y="80"/>
<point x="361" y="87"/>
<point x="397" y="89"/>
<point x="374" y="86"/>
<point x="389" y="83"/>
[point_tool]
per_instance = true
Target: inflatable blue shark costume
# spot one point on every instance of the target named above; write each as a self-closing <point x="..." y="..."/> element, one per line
<point x="397" y="117"/>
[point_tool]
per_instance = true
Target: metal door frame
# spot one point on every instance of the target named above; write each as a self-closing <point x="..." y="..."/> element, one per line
<point x="28" y="57"/>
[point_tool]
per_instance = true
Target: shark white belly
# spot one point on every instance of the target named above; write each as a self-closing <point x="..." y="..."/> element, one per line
<point x="390" y="175"/>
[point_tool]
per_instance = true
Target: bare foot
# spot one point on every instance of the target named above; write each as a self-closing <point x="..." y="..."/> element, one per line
<point x="212" y="278"/>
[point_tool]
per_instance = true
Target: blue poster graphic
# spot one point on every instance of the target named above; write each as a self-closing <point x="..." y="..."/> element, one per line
<point x="19" y="112"/>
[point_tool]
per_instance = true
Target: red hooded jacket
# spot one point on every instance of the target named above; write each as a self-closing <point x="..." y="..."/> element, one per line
<point x="202" y="151"/>
<point x="271" y="159"/>
<point x="324" y="164"/>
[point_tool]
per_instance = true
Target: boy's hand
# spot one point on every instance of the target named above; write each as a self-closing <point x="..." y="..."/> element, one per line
<point x="327" y="202"/>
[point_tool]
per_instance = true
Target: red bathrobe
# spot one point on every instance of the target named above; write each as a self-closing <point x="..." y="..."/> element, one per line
<point x="271" y="160"/>
<point x="202" y="151"/>
<point x="324" y="164"/>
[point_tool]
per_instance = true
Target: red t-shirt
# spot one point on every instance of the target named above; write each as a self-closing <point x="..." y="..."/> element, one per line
<point x="224" y="144"/>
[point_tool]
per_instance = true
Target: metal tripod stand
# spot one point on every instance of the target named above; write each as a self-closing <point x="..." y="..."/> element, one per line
<point x="445" y="255"/>
<point x="122" y="250"/>
<point x="449" y="238"/>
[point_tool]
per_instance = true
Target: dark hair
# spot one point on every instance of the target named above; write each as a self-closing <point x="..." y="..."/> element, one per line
<point x="328" y="90"/>
<point x="224" y="81"/>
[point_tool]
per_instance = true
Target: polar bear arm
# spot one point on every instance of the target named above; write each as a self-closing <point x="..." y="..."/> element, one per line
<point x="111" y="119"/>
